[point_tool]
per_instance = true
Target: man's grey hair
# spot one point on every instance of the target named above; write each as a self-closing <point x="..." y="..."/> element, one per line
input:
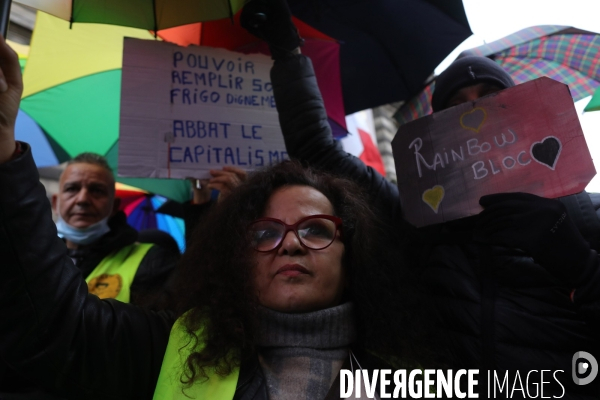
<point x="92" y="158"/>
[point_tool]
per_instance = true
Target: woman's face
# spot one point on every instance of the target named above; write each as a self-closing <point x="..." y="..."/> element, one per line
<point x="292" y="278"/>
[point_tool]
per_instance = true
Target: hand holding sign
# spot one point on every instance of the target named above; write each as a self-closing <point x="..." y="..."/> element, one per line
<point x="226" y="180"/>
<point x="523" y="139"/>
<point x="223" y="180"/>
<point x="541" y="227"/>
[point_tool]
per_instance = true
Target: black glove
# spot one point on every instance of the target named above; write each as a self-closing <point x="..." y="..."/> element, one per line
<point x="271" y="20"/>
<point x="540" y="227"/>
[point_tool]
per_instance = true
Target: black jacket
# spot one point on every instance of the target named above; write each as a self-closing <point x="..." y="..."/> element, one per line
<point x="496" y="307"/>
<point x="148" y="286"/>
<point x="65" y="340"/>
<point x="50" y="325"/>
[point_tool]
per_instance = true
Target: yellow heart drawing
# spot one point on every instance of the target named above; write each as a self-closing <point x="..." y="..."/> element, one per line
<point x="433" y="197"/>
<point x="474" y="119"/>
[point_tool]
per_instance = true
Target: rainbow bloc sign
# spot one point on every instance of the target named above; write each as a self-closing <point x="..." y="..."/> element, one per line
<point x="523" y="139"/>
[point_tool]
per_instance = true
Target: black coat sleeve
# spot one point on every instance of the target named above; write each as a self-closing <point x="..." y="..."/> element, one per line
<point x="70" y="342"/>
<point x="308" y="137"/>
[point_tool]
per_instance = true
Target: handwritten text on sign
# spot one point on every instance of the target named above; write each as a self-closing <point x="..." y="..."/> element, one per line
<point x="187" y="110"/>
<point x="523" y="139"/>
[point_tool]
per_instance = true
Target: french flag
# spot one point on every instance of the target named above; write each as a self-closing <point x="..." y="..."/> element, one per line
<point x="361" y="140"/>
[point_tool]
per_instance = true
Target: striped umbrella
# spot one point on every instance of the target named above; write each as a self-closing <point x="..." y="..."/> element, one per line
<point x="563" y="53"/>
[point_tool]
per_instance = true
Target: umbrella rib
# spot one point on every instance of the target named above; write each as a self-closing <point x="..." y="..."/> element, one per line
<point x="72" y="18"/>
<point x="155" y="19"/>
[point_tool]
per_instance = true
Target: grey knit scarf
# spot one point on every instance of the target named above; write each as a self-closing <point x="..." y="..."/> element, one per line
<point x="301" y="354"/>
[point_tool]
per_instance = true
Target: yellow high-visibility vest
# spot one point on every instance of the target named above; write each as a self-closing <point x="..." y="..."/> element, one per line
<point x="112" y="278"/>
<point x="169" y="386"/>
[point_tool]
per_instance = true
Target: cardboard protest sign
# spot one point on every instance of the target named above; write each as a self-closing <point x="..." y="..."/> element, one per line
<point x="523" y="139"/>
<point x="185" y="110"/>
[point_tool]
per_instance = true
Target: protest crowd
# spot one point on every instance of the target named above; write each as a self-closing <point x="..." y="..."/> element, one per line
<point x="297" y="271"/>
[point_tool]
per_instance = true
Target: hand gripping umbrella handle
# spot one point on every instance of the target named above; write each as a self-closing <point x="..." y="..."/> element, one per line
<point x="258" y="19"/>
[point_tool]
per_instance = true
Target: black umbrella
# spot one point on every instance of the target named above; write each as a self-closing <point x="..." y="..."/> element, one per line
<point x="388" y="47"/>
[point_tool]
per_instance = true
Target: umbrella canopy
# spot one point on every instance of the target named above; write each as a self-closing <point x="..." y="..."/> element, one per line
<point x="323" y="50"/>
<point x="73" y="91"/>
<point x="128" y="193"/>
<point x="45" y="152"/>
<point x="566" y="54"/>
<point x="141" y="214"/>
<point x="143" y="14"/>
<point x="594" y="104"/>
<point x="388" y="48"/>
<point x="27" y="130"/>
<point x="141" y="210"/>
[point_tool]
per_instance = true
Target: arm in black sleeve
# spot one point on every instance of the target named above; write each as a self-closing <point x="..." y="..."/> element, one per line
<point x="70" y="342"/>
<point x="308" y="137"/>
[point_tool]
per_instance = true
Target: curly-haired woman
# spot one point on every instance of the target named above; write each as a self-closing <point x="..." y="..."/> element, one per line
<point x="280" y="288"/>
<point x="285" y="280"/>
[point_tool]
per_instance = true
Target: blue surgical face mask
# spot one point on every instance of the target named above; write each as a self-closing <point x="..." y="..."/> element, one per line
<point x="82" y="236"/>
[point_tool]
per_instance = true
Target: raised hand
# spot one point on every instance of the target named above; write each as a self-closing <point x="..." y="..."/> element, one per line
<point x="539" y="226"/>
<point x="224" y="180"/>
<point x="271" y="20"/>
<point x="11" y="87"/>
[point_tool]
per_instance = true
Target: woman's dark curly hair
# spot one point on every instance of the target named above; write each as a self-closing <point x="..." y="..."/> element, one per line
<point x="215" y="280"/>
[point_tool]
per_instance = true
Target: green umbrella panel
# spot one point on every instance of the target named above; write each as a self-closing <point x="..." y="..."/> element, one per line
<point x="594" y="104"/>
<point x="143" y="14"/>
<point x="73" y="91"/>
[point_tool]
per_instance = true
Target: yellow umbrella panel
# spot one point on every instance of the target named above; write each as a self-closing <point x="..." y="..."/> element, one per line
<point x="73" y="90"/>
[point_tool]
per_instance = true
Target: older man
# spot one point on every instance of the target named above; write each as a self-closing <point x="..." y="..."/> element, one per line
<point x="99" y="240"/>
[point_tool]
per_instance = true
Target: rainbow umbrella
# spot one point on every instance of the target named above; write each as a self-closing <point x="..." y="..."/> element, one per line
<point x="142" y="14"/>
<point x="563" y="53"/>
<point x="45" y="153"/>
<point x="141" y="214"/>
<point x="73" y="91"/>
<point x="141" y="210"/>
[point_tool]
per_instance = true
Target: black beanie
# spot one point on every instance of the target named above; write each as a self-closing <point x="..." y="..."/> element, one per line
<point x="465" y="72"/>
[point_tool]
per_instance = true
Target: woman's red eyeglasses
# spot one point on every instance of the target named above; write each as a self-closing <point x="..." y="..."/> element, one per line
<point x="315" y="232"/>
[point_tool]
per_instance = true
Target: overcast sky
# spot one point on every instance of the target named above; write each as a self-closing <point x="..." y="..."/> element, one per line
<point x="492" y="19"/>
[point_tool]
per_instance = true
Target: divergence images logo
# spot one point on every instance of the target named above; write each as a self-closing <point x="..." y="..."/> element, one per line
<point x="584" y="363"/>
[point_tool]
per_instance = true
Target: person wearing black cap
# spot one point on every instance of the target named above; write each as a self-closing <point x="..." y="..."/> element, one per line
<point x="503" y="281"/>
<point x="468" y="79"/>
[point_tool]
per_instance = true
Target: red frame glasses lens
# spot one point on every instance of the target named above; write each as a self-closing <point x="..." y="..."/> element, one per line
<point x="294" y="228"/>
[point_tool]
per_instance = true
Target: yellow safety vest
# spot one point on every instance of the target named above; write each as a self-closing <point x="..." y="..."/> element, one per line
<point x="169" y="386"/>
<point x="112" y="278"/>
